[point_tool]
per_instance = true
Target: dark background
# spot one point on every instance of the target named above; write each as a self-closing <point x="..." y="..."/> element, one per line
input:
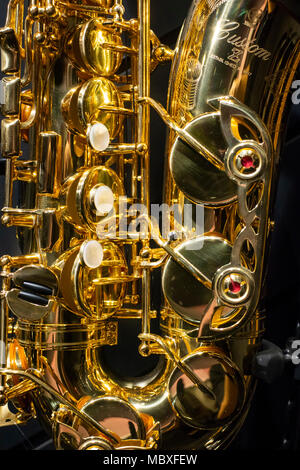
<point x="274" y="418"/>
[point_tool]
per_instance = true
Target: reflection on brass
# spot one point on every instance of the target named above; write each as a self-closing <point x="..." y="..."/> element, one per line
<point x="11" y="95"/>
<point x="50" y="148"/>
<point x="10" y="51"/>
<point x="91" y="48"/>
<point x="10" y="137"/>
<point x="189" y="298"/>
<point x="76" y="196"/>
<point x="76" y="101"/>
<point x="33" y="296"/>
<point x="195" y="407"/>
<point x="97" y="100"/>
<point x="26" y="109"/>
<point x="93" y="292"/>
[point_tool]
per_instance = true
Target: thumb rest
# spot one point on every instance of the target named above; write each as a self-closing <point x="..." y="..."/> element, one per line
<point x="75" y="137"/>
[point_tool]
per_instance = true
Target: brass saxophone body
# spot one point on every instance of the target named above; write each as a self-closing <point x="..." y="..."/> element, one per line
<point x="75" y="136"/>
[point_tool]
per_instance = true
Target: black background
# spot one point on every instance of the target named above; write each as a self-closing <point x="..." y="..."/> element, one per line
<point x="274" y="418"/>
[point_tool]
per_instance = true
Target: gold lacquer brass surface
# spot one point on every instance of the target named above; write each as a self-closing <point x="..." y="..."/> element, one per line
<point x="196" y="406"/>
<point x="77" y="304"/>
<point x="94" y="49"/>
<point x="77" y="196"/>
<point x="91" y="102"/>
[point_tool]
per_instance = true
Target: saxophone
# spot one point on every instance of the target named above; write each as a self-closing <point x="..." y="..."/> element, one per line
<point x="76" y="104"/>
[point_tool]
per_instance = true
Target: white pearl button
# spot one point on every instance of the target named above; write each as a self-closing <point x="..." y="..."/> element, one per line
<point x="103" y="199"/>
<point x="92" y="254"/>
<point x="98" y="137"/>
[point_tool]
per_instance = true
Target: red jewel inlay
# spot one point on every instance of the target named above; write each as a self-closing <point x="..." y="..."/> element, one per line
<point x="247" y="162"/>
<point x="234" y="287"/>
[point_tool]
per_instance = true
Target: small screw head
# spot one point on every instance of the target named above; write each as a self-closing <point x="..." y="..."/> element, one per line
<point x="141" y="149"/>
<point x="173" y="236"/>
<point x="145" y="252"/>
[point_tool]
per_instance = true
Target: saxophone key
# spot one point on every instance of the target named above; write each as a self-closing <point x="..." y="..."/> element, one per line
<point x="97" y="100"/>
<point x="10" y="137"/>
<point x="33" y="296"/>
<point x="91" y="196"/>
<point x="10" y="51"/>
<point x="10" y="96"/>
<point x="95" y="49"/>
<point x="216" y="371"/>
